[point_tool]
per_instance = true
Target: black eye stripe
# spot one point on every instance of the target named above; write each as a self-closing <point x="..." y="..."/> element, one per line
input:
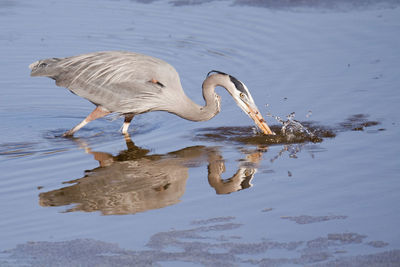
<point x="238" y="85"/>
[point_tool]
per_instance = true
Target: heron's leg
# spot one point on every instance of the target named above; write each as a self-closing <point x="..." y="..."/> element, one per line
<point x="127" y="121"/>
<point x="98" y="112"/>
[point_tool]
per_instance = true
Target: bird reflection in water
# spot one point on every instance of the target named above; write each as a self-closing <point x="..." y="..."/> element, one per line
<point x="134" y="181"/>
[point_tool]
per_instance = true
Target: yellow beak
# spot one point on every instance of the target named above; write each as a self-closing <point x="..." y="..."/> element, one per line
<point x="259" y="120"/>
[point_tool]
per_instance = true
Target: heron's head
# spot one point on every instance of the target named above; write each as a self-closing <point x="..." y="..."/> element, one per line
<point x="244" y="100"/>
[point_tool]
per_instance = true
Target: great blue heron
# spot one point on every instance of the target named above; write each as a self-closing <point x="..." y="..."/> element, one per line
<point x="129" y="84"/>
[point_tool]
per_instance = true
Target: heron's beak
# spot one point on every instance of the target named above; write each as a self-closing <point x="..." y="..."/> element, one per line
<point x="245" y="101"/>
<point x="253" y="112"/>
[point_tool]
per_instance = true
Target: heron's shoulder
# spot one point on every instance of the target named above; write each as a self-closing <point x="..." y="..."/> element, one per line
<point x="124" y="57"/>
<point x="115" y="57"/>
<point x="112" y="67"/>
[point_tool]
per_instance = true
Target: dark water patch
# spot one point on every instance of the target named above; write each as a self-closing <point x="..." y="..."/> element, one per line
<point x="338" y="5"/>
<point x="267" y="209"/>
<point x="247" y="135"/>
<point x="315" y="132"/>
<point x="334" y="240"/>
<point x="145" y="1"/>
<point x="216" y="244"/>
<point x="342" y="5"/>
<point x="346" y="238"/>
<point x="306" y="219"/>
<point x="7" y="8"/>
<point x="190" y="2"/>
<point x="377" y="244"/>
<point x="388" y="259"/>
<point x="7" y="4"/>
<point x="214" y="220"/>
<point x="357" y="122"/>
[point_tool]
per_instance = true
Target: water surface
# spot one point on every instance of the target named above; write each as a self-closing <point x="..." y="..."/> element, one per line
<point x="211" y="193"/>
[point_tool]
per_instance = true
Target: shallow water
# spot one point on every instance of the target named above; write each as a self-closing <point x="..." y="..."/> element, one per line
<point x="210" y="193"/>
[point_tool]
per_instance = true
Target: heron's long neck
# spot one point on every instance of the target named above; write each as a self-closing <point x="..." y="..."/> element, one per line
<point x="189" y="110"/>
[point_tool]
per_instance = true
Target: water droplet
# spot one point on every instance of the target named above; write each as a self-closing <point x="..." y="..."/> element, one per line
<point x="291" y="127"/>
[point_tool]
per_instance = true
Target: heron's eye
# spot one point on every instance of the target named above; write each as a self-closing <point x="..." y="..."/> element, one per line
<point x="241" y="95"/>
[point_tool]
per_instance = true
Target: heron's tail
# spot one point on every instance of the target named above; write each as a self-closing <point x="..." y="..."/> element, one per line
<point x="44" y="67"/>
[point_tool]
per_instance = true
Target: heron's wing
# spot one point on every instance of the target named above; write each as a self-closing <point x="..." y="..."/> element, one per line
<point x="119" y="81"/>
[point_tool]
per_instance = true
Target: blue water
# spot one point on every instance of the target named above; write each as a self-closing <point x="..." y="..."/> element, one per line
<point x="161" y="200"/>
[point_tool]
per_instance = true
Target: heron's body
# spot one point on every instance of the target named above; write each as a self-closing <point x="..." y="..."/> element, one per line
<point x="129" y="83"/>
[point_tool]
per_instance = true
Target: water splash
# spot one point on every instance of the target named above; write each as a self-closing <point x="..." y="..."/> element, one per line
<point x="292" y="128"/>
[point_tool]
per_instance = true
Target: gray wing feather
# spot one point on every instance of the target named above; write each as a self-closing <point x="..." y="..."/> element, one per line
<point x="119" y="81"/>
